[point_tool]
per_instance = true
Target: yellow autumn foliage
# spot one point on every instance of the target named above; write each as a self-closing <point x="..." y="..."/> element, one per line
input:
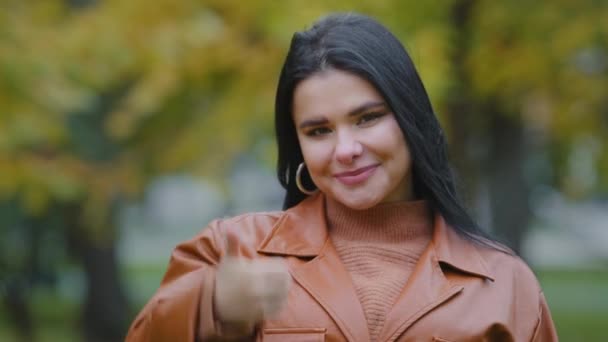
<point x="194" y="83"/>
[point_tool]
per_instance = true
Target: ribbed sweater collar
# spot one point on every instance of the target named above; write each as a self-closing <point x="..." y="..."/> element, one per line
<point x="393" y="222"/>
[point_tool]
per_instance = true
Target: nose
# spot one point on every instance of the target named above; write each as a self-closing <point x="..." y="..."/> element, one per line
<point x="348" y="148"/>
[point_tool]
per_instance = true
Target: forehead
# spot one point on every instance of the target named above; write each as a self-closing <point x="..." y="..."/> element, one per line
<point x="331" y="93"/>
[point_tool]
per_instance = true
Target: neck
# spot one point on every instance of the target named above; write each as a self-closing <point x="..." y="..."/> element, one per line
<point x="388" y="222"/>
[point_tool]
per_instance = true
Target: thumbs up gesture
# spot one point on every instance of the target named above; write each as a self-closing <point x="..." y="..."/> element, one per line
<point x="247" y="291"/>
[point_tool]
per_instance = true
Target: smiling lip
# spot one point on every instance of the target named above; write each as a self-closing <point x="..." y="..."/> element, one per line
<point x="356" y="176"/>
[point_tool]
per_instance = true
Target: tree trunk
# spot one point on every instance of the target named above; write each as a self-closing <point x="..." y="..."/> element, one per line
<point x="105" y="310"/>
<point x="487" y="146"/>
<point x="17" y="306"/>
<point x="463" y="117"/>
<point x="509" y="190"/>
<point x="16" y="268"/>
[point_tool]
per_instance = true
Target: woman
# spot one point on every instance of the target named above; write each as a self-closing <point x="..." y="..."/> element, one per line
<point x="373" y="244"/>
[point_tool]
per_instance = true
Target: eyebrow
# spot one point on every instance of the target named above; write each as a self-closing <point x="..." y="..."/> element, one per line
<point x="356" y="111"/>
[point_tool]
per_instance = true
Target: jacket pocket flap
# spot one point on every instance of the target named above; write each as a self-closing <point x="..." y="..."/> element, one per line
<point x="294" y="334"/>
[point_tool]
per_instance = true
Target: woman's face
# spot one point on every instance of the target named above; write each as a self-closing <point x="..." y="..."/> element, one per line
<point x="352" y="145"/>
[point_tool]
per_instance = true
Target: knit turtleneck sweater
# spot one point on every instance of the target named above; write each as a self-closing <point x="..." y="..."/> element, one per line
<point x="379" y="247"/>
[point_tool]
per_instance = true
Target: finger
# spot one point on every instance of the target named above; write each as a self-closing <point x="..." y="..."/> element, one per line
<point x="231" y="249"/>
<point x="277" y="287"/>
<point x="234" y="269"/>
<point x="258" y="284"/>
<point x="272" y="295"/>
<point x="272" y="306"/>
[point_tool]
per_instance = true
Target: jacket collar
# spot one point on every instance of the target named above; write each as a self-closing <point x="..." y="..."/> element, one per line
<point x="302" y="231"/>
<point x="453" y="250"/>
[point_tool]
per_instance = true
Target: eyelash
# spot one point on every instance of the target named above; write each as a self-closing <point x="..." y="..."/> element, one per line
<point x="315" y="132"/>
<point x="363" y="120"/>
<point x="369" y="117"/>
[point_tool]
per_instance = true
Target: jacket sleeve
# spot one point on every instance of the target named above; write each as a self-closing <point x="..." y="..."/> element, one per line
<point x="545" y="329"/>
<point x="182" y="308"/>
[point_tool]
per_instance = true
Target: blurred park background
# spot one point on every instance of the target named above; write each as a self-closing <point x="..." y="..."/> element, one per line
<point x="127" y="125"/>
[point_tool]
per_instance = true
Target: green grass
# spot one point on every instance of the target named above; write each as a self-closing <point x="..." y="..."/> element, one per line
<point x="142" y="282"/>
<point x="578" y="301"/>
<point x="55" y="318"/>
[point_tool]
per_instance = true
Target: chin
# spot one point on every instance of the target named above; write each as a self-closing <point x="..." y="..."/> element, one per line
<point x="357" y="202"/>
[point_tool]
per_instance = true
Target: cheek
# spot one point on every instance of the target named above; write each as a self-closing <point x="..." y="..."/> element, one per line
<point x="389" y="142"/>
<point x="397" y="150"/>
<point x="402" y="159"/>
<point x="316" y="156"/>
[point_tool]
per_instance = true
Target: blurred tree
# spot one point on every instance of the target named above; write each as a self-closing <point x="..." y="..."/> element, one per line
<point x="511" y="100"/>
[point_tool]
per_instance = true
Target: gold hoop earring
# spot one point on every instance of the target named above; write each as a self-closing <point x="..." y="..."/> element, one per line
<point x="299" y="180"/>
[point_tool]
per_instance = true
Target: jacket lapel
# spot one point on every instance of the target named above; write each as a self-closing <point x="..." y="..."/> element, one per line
<point x="302" y="232"/>
<point x="428" y="288"/>
<point x="327" y="280"/>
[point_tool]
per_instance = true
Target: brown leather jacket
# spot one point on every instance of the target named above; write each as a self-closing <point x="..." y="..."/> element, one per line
<point x="458" y="291"/>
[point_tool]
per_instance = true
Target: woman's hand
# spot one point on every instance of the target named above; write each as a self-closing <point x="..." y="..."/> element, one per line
<point x="247" y="291"/>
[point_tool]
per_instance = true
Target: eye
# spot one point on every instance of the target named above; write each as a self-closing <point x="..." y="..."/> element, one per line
<point x="368" y="118"/>
<point x="318" y="131"/>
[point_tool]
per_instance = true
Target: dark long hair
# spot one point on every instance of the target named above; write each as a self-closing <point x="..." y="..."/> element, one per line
<point x="360" y="45"/>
